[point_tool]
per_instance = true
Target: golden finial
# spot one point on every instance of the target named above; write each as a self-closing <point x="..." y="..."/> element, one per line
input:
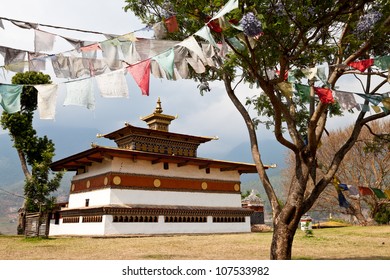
<point x="159" y="109"/>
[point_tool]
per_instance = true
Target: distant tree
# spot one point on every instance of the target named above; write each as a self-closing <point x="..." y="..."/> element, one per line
<point x="287" y="37"/>
<point x="366" y="164"/>
<point x="35" y="153"/>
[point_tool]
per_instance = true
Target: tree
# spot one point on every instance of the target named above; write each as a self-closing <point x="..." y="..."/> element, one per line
<point x="34" y="152"/>
<point x="366" y="164"/>
<point x="288" y="38"/>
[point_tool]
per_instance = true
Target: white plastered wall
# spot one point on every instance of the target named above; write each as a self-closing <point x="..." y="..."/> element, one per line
<point x="118" y="196"/>
<point x="144" y="167"/>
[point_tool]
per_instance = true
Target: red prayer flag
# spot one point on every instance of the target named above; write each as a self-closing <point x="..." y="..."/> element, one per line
<point x="214" y="24"/>
<point x="89" y="48"/>
<point x="171" y="24"/>
<point x="362" y="65"/>
<point x="141" y="75"/>
<point x="325" y="95"/>
<point x="365" y="191"/>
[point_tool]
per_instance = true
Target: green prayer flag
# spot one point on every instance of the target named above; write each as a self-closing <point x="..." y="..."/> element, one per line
<point x="378" y="192"/>
<point x="303" y="92"/>
<point x="382" y="62"/>
<point x="374" y="99"/>
<point x="166" y="60"/>
<point x="10" y="98"/>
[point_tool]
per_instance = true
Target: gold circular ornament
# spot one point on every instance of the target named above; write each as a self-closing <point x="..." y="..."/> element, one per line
<point x="73" y="187"/>
<point x="204" y="186"/>
<point x="117" y="180"/>
<point x="157" y="183"/>
<point x="88" y="184"/>
<point x="105" y="181"/>
<point x="236" y="187"/>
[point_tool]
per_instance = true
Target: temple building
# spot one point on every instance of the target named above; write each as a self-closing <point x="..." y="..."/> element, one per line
<point x="153" y="182"/>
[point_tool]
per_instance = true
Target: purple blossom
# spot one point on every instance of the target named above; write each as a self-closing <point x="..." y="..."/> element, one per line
<point x="251" y="25"/>
<point x="279" y="7"/>
<point x="367" y="21"/>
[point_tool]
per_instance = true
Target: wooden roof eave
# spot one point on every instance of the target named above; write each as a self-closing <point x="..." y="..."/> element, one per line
<point x="129" y="130"/>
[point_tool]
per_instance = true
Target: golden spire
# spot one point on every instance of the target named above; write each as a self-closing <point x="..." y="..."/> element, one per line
<point x="157" y="120"/>
<point x="158" y="109"/>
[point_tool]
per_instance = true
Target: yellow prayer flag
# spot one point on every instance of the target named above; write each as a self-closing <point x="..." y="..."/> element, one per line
<point x="377" y="109"/>
<point x="286" y="88"/>
<point x="386" y="103"/>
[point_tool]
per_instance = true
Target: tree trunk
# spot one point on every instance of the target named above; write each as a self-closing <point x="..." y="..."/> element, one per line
<point x="22" y="211"/>
<point x="23" y="163"/>
<point x="282" y="240"/>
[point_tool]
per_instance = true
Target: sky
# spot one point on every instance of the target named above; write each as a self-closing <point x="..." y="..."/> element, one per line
<point x="210" y="115"/>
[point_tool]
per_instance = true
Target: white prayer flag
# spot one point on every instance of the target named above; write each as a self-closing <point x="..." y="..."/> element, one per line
<point x="47" y="100"/>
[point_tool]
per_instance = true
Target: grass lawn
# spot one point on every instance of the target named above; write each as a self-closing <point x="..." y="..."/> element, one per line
<point x="353" y="242"/>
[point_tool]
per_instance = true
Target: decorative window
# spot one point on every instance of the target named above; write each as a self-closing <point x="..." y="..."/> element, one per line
<point x="228" y="219"/>
<point x="185" y="219"/>
<point x="134" y="219"/>
<point x="68" y="220"/>
<point x="92" y="219"/>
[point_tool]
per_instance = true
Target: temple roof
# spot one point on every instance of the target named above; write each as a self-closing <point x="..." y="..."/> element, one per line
<point x="156" y="138"/>
<point x="135" y="130"/>
<point x="99" y="153"/>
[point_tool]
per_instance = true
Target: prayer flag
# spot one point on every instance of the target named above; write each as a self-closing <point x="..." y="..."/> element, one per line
<point x="10" y="98"/>
<point x="47" y="98"/>
<point x="343" y="186"/>
<point x="378" y="192"/>
<point x="383" y="62"/>
<point x="113" y="84"/>
<point x="310" y="73"/>
<point x="80" y="93"/>
<point x="191" y="44"/>
<point x="365" y="191"/>
<point x="110" y="53"/>
<point x="166" y="61"/>
<point x="36" y="62"/>
<point x="43" y="41"/>
<point x="386" y="103"/>
<point x="362" y="65"/>
<point x="205" y="33"/>
<point x="303" y="92"/>
<point x="346" y="100"/>
<point x="286" y="88"/>
<point x="325" y="95"/>
<point x="322" y="75"/>
<point x="141" y="75"/>
<point x="342" y="200"/>
<point x="374" y="99"/>
<point x="229" y="6"/>
<point x="353" y="191"/>
<point x="160" y="30"/>
<point x="171" y="24"/>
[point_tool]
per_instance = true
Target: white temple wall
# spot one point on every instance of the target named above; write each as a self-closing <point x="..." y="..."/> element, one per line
<point x="79" y="228"/>
<point x="96" y="197"/>
<point x="144" y="167"/>
<point x="118" y="196"/>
